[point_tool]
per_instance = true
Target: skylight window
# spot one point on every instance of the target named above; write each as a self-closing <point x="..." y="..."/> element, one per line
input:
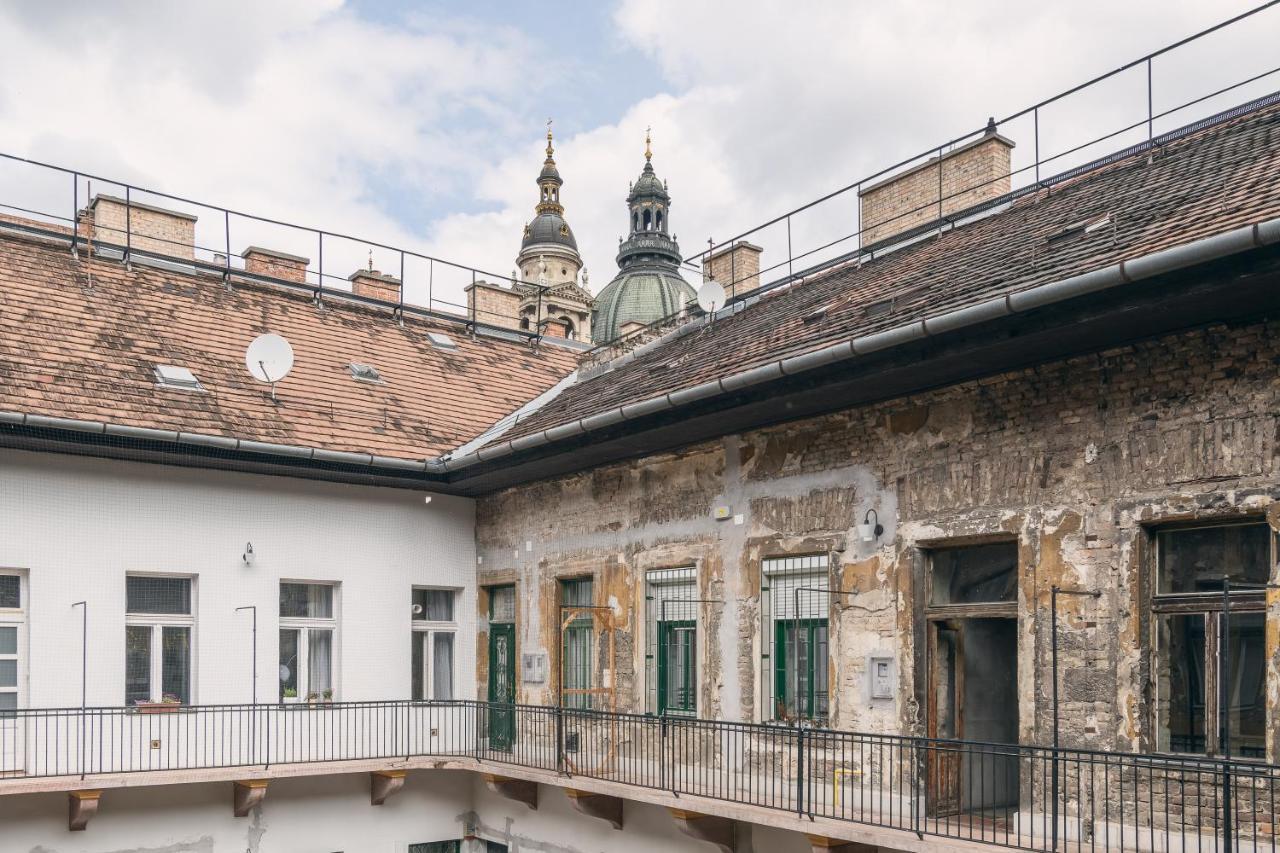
<point x="173" y="376"/>
<point x="441" y="341"/>
<point x="364" y="372"/>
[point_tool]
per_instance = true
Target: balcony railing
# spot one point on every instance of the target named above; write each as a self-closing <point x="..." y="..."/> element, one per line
<point x="1000" y="794"/>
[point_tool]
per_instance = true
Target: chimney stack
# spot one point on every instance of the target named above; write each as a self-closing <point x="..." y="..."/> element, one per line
<point x="971" y="173"/>
<point x="143" y="227"/>
<point x="736" y="267"/>
<point x="372" y="284"/>
<point x="493" y="304"/>
<point x="273" y="264"/>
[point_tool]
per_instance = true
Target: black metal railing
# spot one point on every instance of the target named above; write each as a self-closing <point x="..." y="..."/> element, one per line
<point x="1011" y="795"/>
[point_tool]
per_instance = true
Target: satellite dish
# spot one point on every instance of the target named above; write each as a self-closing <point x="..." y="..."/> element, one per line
<point x="710" y="296"/>
<point x="269" y="359"/>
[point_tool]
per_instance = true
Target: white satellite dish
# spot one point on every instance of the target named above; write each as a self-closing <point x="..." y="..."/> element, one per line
<point x="710" y="296"/>
<point x="269" y="359"/>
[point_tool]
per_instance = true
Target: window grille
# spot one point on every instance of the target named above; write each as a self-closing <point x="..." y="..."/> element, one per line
<point x="669" y="595"/>
<point x="785" y="583"/>
<point x="158" y="595"/>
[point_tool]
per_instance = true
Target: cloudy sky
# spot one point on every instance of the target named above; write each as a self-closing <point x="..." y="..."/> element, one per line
<point x="421" y="124"/>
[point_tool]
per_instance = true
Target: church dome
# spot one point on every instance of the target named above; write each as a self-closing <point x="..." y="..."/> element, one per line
<point x="638" y="295"/>
<point x="548" y="227"/>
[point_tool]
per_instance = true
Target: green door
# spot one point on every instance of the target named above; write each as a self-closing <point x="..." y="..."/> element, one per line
<point x="502" y="685"/>
<point x="800" y="668"/>
<point x="677" y="664"/>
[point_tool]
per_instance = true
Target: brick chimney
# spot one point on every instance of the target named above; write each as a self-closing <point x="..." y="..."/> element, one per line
<point x="374" y="285"/>
<point x="269" y="262"/>
<point x="971" y="173"/>
<point x="493" y="304"/>
<point x="736" y="267"/>
<point x="144" y="227"/>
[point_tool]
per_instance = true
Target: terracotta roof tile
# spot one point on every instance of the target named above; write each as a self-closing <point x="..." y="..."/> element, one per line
<point x="80" y="339"/>
<point x="1216" y="179"/>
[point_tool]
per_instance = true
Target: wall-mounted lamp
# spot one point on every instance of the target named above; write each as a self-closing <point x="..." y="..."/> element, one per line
<point x="427" y="499"/>
<point x="247" y="556"/>
<point x="869" y="531"/>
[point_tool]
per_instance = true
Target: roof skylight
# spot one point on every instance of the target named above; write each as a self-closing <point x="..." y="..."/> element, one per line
<point x="173" y="376"/>
<point x="364" y="372"/>
<point x="441" y="341"/>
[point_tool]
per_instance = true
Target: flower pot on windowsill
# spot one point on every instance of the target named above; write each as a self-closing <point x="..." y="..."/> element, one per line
<point x="157" y="707"/>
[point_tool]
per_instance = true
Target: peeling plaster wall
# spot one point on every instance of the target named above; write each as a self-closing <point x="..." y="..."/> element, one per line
<point x="1070" y="459"/>
<point x="310" y="815"/>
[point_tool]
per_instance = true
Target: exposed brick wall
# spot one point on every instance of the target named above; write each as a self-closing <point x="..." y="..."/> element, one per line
<point x="375" y="285"/>
<point x="737" y="268"/>
<point x="971" y="174"/>
<point x="493" y="304"/>
<point x="143" y="227"/>
<point x="1071" y="460"/>
<point x="275" y="264"/>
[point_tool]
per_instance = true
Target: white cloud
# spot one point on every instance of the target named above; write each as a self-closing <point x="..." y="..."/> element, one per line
<point x="303" y="111"/>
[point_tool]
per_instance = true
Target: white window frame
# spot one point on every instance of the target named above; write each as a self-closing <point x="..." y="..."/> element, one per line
<point x="17" y="617"/>
<point x="434" y="628"/>
<point x="157" y="622"/>
<point x="304" y="626"/>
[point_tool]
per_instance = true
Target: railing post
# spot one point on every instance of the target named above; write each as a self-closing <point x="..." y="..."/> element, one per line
<point x="1224" y="709"/>
<point x="128" y="225"/>
<point x="1053" y="628"/>
<point x="560" y="738"/>
<point x="799" y="770"/>
<point x="75" y="212"/>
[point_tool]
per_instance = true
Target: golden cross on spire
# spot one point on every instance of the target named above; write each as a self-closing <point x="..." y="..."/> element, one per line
<point x="549" y="149"/>
<point x="648" y="153"/>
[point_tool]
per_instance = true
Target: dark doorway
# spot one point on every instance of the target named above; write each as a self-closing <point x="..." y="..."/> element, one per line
<point x="972" y="681"/>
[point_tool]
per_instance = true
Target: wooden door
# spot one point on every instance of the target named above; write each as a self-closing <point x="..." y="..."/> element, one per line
<point x="946" y="717"/>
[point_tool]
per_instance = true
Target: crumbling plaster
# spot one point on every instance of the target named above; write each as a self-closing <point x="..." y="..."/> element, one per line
<point x="1074" y="460"/>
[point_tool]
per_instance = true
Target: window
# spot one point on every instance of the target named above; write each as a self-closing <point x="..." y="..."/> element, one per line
<point x="158" y="628"/>
<point x="308" y="626"/>
<point x="434" y="643"/>
<point x="671" y="635"/>
<point x="1192" y="656"/>
<point x="576" y="659"/>
<point x="975" y="574"/>
<point x="364" y="372"/>
<point x="436" y="847"/>
<point x="12" y="649"/>
<point x="794" y="608"/>
<point x="173" y="376"/>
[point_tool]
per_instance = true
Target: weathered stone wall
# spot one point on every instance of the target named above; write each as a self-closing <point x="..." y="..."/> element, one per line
<point x="1071" y="459"/>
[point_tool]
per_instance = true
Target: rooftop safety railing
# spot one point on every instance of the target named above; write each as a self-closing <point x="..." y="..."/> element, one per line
<point x="1207" y="77"/>
<point x="1002" y="794"/>
<point x="133" y="225"/>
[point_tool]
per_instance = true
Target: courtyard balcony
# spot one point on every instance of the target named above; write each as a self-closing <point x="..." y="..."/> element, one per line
<point x="840" y="787"/>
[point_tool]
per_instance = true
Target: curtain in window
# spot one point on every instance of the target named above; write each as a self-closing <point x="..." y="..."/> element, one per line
<point x="137" y="664"/>
<point x="306" y="600"/>
<point x="442" y="667"/>
<point x="417" y="664"/>
<point x="288" y="663"/>
<point x="176" y="664"/>
<point x="319" y="664"/>
<point x="436" y="604"/>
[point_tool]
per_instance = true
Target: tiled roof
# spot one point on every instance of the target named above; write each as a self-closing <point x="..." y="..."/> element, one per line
<point x="81" y="339"/>
<point x="1223" y="177"/>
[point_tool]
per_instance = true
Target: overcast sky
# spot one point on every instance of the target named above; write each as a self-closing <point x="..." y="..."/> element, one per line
<point x="422" y="124"/>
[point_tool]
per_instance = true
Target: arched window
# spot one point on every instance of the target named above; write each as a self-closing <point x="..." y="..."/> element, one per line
<point x="524" y="323"/>
<point x="648" y="221"/>
<point x="635" y="221"/>
<point x="659" y="220"/>
<point x="568" y="327"/>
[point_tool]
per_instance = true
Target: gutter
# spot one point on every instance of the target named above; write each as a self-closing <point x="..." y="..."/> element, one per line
<point x="1208" y="249"/>
<point x="222" y="442"/>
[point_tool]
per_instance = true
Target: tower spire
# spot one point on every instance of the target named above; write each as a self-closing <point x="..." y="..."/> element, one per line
<point x="648" y="152"/>
<point x="550" y="150"/>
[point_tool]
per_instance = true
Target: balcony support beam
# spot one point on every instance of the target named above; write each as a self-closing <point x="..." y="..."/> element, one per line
<point x="81" y="807"/>
<point x="601" y="806"/>
<point x="822" y="844"/>
<point x="520" y="790"/>
<point x="249" y="794"/>
<point x="385" y="783"/>
<point x="703" y="827"/>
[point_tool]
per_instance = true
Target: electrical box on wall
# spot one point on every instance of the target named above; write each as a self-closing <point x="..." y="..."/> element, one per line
<point x="533" y="667"/>
<point x="882" y="677"/>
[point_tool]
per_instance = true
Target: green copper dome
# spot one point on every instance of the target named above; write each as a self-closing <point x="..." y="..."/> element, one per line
<point x="648" y="285"/>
